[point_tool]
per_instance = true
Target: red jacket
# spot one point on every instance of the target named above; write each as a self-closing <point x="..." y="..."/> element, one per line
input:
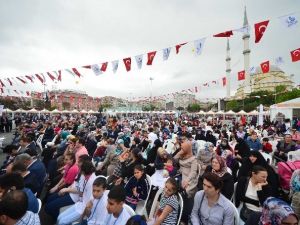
<point x="267" y="147"/>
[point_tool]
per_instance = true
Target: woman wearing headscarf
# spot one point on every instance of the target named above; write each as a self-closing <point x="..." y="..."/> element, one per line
<point x="205" y="155"/>
<point x="151" y="156"/>
<point x="210" y="137"/>
<point x="295" y="191"/>
<point x="218" y="167"/>
<point x="256" y="158"/>
<point x="274" y="212"/>
<point x="241" y="149"/>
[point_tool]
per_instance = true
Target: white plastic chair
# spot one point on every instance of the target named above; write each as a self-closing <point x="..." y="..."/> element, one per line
<point x="155" y="202"/>
<point x="130" y="211"/>
<point x="181" y="208"/>
<point x="39" y="142"/>
<point x="40" y="204"/>
<point x="140" y="208"/>
<point x="293" y="155"/>
<point x="267" y="157"/>
<point x="234" y="192"/>
<point x="236" y="214"/>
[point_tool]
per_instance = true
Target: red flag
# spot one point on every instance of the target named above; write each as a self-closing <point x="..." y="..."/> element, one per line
<point x="295" y="55"/>
<point x="224" y="81"/>
<point x="265" y="67"/>
<point x="71" y="98"/>
<point x="151" y="56"/>
<point x="241" y="75"/>
<point x="28" y="93"/>
<point x="1" y="90"/>
<point x="51" y="76"/>
<point x="2" y="84"/>
<point x="29" y="78"/>
<point x="127" y="62"/>
<point x="260" y="29"/>
<point x="76" y="72"/>
<point x="87" y="67"/>
<point x="196" y="89"/>
<point x="178" y="47"/>
<point x="39" y="95"/>
<point x="103" y="67"/>
<point x="224" y="34"/>
<point x="40" y="78"/>
<point x="206" y="85"/>
<point x="214" y="82"/>
<point x="20" y="79"/>
<point x="9" y="81"/>
<point x="59" y="75"/>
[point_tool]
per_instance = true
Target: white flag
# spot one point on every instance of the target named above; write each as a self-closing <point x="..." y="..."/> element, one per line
<point x="166" y="53"/>
<point x="96" y="69"/>
<point x="139" y="61"/>
<point x="199" y="46"/>
<point x="252" y="70"/>
<point x="279" y="61"/>
<point x="115" y="65"/>
<point x="244" y="30"/>
<point x="289" y="20"/>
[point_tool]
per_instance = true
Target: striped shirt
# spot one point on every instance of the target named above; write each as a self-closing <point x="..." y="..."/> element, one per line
<point x="29" y="218"/>
<point x="171" y="201"/>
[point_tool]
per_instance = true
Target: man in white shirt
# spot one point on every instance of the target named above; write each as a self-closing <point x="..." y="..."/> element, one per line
<point x="152" y="136"/>
<point x="117" y="214"/>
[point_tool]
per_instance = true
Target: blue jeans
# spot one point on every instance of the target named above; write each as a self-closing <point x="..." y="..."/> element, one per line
<point x="68" y="216"/>
<point x="55" y="202"/>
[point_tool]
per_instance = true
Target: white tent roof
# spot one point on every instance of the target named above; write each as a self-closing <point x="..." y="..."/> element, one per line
<point x="91" y="111"/>
<point x="293" y="103"/>
<point x="45" y="111"/>
<point x="55" y="111"/>
<point x="254" y="112"/>
<point x="242" y="112"/>
<point x="75" y="111"/>
<point x="230" y="112"/>
<point x="65" y="111"/>
<point x="201" y="112"/>
<point x="20" y="110"/>
<point x="221" y="112"/>
<point x="33" y="110"/>
<point x="7" y="110"/>
<point x="83" y="111"/>
<point x="210" y="112"/>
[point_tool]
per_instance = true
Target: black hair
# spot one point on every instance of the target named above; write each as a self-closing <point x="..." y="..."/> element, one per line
<point x="9" y="202"/>
<point x="87" y="168"/>
<point x="19" y="167"/>
<point x="139" y="168"/>
<point x="85" y="158"/>
<point x="9" y="180"/>
<point x="256" y="169"/>
<point x="174" y="183"/>
<point x="136" y="220"/>
<point x="100" y="182"/>
<point x="265" y="139"/>
<point x="214" y="179"/>
<point x="117" y="193"/>
<point x="81" y="141"/>
<point x="9" y="148"/>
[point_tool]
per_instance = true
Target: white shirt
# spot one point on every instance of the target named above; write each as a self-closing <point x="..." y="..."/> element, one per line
<point x="121" y="220"/>
<point x="252" y="193"/>
<point x="152" y="137"/>
<point x="98" y="211"/>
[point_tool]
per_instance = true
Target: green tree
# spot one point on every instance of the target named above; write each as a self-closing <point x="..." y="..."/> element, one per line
<point x="193" y="107"/>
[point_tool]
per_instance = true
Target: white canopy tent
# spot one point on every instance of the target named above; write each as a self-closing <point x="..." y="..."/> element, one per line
<point x="55" y="111"/>
<point x="33" y="110"/>
<point x="288" y="109"/>
<point x="242" y="112"/>
<point x="230" y="112"/>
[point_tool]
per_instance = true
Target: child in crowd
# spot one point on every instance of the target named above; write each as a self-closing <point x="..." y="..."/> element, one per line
<point x="137" y="220"/>
<point x="95" y="209"/>
<point x="168" y="209"/>
<point x="117" y="215"/>
<point x="137" y="187"/>
<point x="169" y="169"/>
<point x="267" y="146"/>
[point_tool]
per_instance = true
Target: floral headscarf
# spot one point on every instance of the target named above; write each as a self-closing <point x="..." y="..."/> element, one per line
<point x="223" y="167"/>
<point x="274" y="211"/>
<point x="295" y="181"/>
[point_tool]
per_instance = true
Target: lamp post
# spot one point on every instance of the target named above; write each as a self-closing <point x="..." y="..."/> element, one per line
<point x="151" y="79"/>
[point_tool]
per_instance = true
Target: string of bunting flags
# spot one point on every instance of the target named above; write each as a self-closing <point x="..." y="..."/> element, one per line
<point x="290" y="20"/>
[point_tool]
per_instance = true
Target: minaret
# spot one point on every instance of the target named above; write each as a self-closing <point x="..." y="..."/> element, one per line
<point x="228" y="69"/>
<point x="246" y="54"/>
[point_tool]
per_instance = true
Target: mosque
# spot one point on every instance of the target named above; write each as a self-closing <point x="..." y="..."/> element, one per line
<point x="257" y="81"/>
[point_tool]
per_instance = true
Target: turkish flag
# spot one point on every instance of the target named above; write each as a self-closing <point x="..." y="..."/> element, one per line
<point x="224" y="34"/>
<point x="40" y="78"/>
<point x="20" y="79"/>
<point x="51" y="76"/>
<point x="241" y="75"/>
<point x="29" y="78"/>
<point x="27" y="93"/>
<point x="260" y="29"/>
<point x="178" y="47"/>
<point x="1" y="84"/>
<point x="151" y="56"/>
<point x="76" y="72"/>
<point x="196" y="89"/>
<point x="127" y="62"/>
<point x="10" y="82"/>
<point x="224" y="81"/>
<point x="265" y="67"/>
<point x="104" y="67"/>
<point x="295" y="55"/>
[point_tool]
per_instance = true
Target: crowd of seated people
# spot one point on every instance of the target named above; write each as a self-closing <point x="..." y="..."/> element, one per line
<point x="88" y="169"/>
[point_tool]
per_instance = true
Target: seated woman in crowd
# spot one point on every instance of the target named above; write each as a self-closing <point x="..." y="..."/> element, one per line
<point x="274" y="212"/>
<point x="69" y="173"/>
<point x="137" y="187"/>
<point x="241" y="149"/>
<point x="168" y="207"/>
<point x="252" y="192"/>
<point x="161" y="158"/>
<point x="218" y="167"/>
<point x="79" y="192"/>
<point x="256" y="158"/>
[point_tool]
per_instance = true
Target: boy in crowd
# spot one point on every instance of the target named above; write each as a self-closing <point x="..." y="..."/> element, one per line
<point x="116" y="212"/>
